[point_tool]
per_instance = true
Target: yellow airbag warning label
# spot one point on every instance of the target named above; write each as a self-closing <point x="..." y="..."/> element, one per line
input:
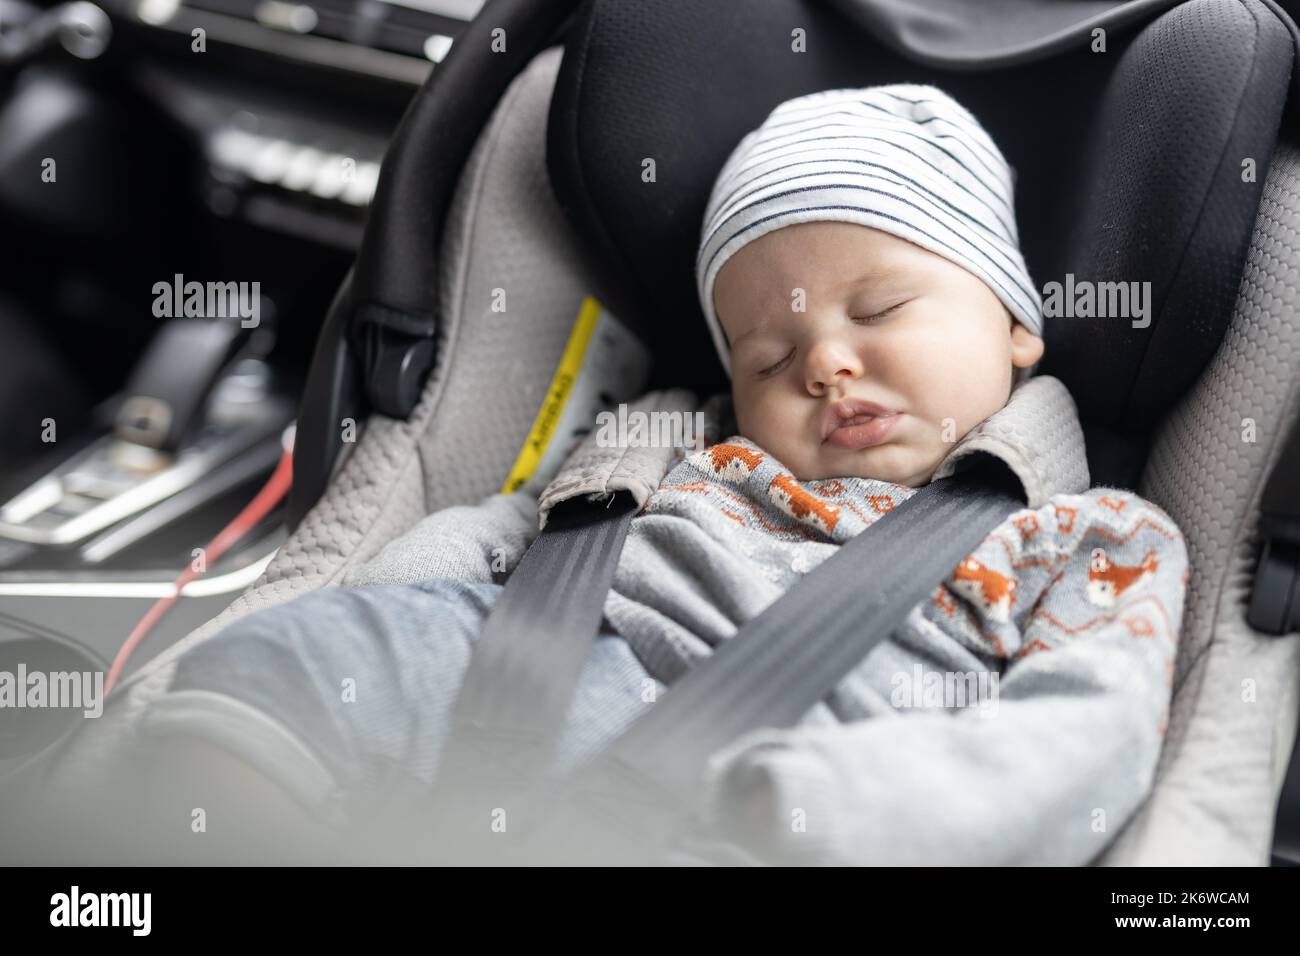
<point x="602" y="363"/>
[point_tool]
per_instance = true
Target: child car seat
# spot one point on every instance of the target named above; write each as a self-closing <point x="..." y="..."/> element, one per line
<point x="1165" y="156"/>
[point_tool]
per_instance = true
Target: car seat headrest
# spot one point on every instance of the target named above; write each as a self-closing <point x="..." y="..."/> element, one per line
<point x="1131" y="168"/>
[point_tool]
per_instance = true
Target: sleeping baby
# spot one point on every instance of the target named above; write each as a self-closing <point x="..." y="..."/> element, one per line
<point x="860" y="273"/>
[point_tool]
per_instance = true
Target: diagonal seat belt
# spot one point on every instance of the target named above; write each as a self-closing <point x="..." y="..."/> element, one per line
<point x="776" y="667"/>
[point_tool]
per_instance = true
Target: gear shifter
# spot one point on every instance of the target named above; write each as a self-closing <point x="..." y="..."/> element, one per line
<point x="181" y="422"/>
<point x="172" y="382"/>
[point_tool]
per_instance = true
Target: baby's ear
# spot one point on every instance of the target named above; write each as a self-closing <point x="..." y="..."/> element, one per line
<point x="1027" y="346"/>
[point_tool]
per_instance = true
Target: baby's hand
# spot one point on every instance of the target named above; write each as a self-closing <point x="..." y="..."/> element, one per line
<point x="745" y="812"/>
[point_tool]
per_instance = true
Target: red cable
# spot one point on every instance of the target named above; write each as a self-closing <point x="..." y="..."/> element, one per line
<point x="276" y="487"/>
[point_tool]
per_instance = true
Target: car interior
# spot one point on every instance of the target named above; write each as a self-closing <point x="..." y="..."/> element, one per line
<point x="244" y="233"/>
<point x="248" y="157"/>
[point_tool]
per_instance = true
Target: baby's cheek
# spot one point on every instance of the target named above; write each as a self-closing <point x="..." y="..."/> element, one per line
<point x="744" y="409"/>
<point x="762" y="420"/>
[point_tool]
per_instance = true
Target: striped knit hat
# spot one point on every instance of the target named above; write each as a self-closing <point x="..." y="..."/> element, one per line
<point x="907" y="160"/>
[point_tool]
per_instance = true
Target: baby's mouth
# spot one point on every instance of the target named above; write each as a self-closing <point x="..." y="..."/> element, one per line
<point x="852" y="413"/>
<point x="863" y="431"/>
<point x="858" y="420"/>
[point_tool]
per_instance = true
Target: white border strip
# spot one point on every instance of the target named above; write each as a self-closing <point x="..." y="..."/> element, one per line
<point x="203" y="587"/>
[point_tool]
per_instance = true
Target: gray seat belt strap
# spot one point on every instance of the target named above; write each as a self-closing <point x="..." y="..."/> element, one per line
<point x="531" y="651"/>
<point x="792" y="655"/>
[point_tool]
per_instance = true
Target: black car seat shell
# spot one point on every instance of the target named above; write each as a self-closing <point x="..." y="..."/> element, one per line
<point x="1129" y="168"/>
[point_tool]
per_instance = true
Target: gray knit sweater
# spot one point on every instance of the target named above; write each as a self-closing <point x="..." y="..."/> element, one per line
<point x="1015" y="717"/>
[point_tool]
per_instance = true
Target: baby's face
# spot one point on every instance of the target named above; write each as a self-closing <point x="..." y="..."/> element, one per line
<point x="883" y="321"/>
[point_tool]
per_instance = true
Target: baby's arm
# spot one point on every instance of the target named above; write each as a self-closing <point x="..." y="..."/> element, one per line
<point x="1049" y="777"/>
<point x="461" y="543"/>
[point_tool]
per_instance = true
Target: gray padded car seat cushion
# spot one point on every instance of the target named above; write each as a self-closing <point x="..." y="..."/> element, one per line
<point x="1234" y="712"/>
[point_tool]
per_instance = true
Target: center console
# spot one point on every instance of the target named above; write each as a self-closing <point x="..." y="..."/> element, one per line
<point x="286" y="109"/>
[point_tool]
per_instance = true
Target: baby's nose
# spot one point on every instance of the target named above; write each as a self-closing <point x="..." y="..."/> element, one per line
<point x="830" y="363"/>
<point x="827" y="371"/>
<point x="831" y="380"/>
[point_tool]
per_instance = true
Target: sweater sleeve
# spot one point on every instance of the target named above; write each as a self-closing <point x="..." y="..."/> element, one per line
<point x="1047" y="775"/>
<point x="461" y="543"/>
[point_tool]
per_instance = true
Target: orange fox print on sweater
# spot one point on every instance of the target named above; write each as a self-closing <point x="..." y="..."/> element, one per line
<point x="986" y="588"/>
<point x="1107" y="580"/>
<point x="732" y="463"/>
<point x="801" y="504"/>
